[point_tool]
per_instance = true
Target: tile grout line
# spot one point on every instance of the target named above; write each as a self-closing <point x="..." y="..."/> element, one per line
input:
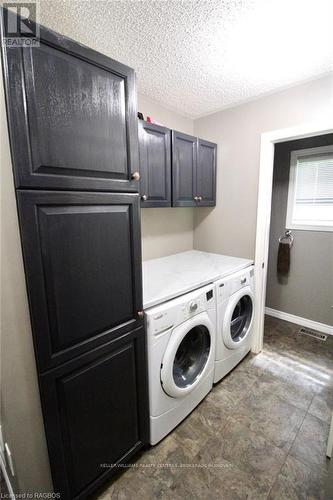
<point x="314" y="416"/>
<point x="276" y="477"/>
<point x="291" y="445"/>
<point x="305" y="415"/>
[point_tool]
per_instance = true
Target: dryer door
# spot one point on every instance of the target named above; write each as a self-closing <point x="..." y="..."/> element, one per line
<point x="188" y="356"/>
<point x="238" y="318"/>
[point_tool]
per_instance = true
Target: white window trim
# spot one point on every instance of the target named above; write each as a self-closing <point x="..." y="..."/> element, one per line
<point x="294" y="155"/>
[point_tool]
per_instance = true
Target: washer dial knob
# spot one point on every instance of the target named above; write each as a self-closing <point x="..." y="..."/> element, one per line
<point x="193" y="306"/>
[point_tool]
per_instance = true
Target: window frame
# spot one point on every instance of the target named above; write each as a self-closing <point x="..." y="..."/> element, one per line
<point x="294" y="156"/>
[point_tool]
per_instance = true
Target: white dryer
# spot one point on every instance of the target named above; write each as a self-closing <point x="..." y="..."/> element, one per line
<point x="181" y="353"/>
<point x="235" y="312"/>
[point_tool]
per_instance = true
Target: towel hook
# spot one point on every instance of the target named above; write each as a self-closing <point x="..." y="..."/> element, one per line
<point x="287" y="236"/>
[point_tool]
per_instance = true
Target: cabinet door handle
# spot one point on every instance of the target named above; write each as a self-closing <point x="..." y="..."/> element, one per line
<point x="144" y="197"/>
<point x="135" y="176"/>
<point x="243" y="281"/>
<point x="199" y="198"/>
<point x="195" y="198"/>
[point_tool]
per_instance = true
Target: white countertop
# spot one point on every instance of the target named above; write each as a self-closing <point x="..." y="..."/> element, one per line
<point x="168" y="277"/>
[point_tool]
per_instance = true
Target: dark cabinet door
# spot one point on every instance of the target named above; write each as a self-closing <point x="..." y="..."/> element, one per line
<point x="95" y="411"/>
<point x="155" y="165"/>
<point x="206" y="173"/>
<point x="72" y="117"/>
<point x="184" y="168"/>
<point x="83" y="269"/>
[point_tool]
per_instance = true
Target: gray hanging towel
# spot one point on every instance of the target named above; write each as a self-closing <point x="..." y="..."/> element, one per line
<point x="283" y="260"/>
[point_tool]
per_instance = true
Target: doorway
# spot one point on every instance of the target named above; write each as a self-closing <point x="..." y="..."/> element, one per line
<point x="268" y="142"/>
<point x="300" y="262"/>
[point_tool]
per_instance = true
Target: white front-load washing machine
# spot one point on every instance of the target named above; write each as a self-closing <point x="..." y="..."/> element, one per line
<point x="235" y="312"/>
<point x="181" y="337"/>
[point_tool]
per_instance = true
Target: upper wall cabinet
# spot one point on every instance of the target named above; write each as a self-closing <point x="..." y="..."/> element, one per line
<point x="79" y="121"/>
<point x="206" y="173"/>
<point x="194" y="171"/>
<point x="184" y="169"/>
<point x="155" y="165"/>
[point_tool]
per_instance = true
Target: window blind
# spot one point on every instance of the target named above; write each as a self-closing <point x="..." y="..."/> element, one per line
<point x="314" y="181"/>
<point x="311" y="205"/>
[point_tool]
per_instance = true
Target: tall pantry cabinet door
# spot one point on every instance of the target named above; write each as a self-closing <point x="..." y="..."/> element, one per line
<point x="155" y="165"/>
<point x="184" y="167"/>
<point x="72" y="116"/>
<point x="206" y="173"/>
<point x="82" y="254"/>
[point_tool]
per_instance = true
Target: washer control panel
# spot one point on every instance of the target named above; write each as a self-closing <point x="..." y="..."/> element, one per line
<point x="161" y="321"/>
<point x="162" y="318"/>
<point x="193" y="306"/>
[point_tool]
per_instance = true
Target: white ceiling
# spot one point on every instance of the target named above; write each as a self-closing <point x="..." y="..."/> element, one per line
<point x="199" y="56"/>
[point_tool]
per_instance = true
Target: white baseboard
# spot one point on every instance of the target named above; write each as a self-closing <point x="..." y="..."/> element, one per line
<point x="308" y="323"/>
<point x="6" y="477"/>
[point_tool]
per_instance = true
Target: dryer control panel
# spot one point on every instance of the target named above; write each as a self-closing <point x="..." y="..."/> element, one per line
<point x="231" y="284"/>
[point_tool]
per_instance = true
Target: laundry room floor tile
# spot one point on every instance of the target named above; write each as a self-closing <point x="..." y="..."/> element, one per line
<point x="291" y="389"/>
<point x="311" y="442"/>
<point x="260" y="434"/>
<point x="273" y="417"/>
<point x="250" y="451"/>
<point x="238" y="383"/>
<point x="297" y="480"/>
<point x="322" y="406"/>
<point x="204" y="422"/>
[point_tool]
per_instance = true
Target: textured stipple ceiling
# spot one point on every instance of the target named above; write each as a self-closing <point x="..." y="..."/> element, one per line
<point x="198" y="56"/>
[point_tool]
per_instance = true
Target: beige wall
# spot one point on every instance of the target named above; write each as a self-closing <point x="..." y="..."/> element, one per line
<point x="165" y="230"/>
<point x="230" y="227"/>
<point x="20" y="406"/>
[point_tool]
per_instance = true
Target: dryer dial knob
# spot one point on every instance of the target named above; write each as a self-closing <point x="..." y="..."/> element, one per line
<point x="193" y="306"/>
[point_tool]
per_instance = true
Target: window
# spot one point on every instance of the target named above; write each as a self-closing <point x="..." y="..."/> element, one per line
<point x="310" y="194"/>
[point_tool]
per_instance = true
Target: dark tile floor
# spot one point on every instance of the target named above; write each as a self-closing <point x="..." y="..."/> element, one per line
<point x="260" y="434"/>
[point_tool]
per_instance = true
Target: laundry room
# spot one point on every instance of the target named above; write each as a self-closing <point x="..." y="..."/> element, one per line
<point x="166" y="249"/>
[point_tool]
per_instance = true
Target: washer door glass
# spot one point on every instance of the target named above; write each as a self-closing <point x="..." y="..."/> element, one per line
<point x="241" y="318"/>
<point x="191" y="356"/>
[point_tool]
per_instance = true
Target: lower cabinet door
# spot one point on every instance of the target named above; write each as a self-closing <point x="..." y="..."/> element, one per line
<point x="96" y="414"/>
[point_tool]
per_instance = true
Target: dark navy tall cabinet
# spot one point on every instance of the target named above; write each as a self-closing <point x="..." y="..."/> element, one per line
<point x="73" y="133"/>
